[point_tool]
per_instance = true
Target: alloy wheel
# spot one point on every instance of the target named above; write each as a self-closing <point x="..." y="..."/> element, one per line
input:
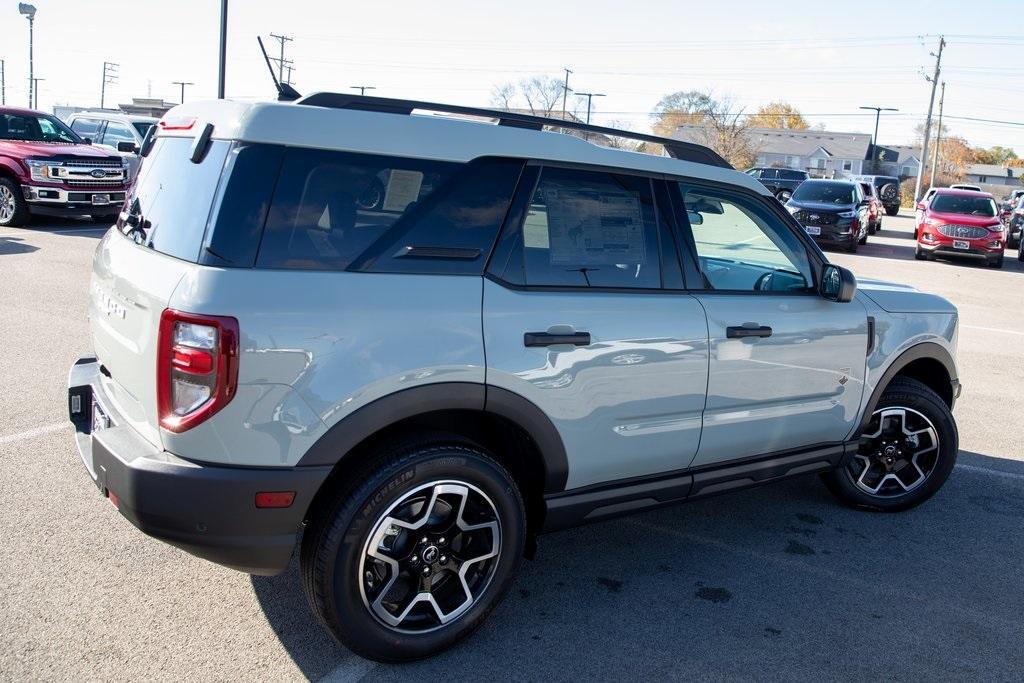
<point x="7" y="204"/>
<point x="430" y="556"/>
<point x="897" y="453"/>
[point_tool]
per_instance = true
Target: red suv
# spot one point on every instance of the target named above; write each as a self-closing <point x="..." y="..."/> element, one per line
<point x="47" y="169"/>
<point x="961" y="223"/>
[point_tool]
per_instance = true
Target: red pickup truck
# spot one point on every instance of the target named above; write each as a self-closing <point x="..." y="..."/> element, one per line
<point x="47" y="169"/>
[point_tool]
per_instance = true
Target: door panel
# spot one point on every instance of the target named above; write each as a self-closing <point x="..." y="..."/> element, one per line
<point x="628" y="403"/>
<point x="800" y="386"/>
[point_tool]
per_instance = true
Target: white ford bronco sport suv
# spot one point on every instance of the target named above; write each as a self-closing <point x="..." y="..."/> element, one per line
<point x="406" y="344"/>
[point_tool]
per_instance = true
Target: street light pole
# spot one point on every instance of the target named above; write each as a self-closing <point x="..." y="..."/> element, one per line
<point x="590" y="97"/>
<point x="35" y="91"/>
<point x="29" y="11"/>
<point x="362" y="88"/>
<point x="874" y="138"/>
<point x="182" y="84"/>
<point x="223" y="56"/>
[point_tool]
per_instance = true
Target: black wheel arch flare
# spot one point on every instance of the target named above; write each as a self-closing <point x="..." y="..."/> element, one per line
<point x="341" y="438"/>
<point x="922" y="351"/>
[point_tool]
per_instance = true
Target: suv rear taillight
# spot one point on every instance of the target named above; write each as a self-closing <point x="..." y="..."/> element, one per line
<point x="197" y="367"/>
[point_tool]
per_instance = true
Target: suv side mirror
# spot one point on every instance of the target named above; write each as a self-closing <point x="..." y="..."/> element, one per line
<point x="837" y="284"/>
<point x="87" y="141"/>
<point x="129" y="147"/>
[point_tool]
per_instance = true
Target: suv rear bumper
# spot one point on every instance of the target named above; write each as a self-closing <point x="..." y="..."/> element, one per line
<point x="208" y="511"/>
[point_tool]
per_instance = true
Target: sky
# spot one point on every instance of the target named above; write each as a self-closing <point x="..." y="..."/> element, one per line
<point x="826" y="58"/>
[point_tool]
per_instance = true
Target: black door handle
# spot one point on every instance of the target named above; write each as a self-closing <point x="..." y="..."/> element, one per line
<point x="742" y="332"/>
<point x="546" y="339"/>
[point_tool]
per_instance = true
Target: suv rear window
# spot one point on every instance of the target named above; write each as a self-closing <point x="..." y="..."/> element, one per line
<point x="342" y="211"/>
<point x="172" y="197"/>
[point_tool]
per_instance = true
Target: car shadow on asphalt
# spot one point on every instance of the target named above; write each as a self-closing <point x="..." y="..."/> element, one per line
<point x="15" y="245"/>
<point x="78" y="227"/>
<point x="904" y="252"/>
<point x="732" y="584"/>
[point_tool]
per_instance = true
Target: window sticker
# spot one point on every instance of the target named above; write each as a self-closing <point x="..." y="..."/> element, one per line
<point x="403" y="189"/>
<point x="590" y="227"/>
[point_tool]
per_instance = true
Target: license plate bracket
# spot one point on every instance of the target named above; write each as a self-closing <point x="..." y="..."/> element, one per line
<point x="961" y="244"/>
<point x="100" y="199"/>
<point x="813" y="229"/>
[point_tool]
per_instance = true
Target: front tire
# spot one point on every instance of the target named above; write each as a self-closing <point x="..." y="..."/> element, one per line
<point x="996" y="263"/>
<point x="13" y="207"/>
<point x="892" y="211"/>
<point x="412" y="558"/>
<point x="905" y="454"/>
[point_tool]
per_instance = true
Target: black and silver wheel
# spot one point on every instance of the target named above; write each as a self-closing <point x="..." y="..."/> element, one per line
<point x="415" y="558"/>
<point x="13" y="207"/>
<point x="904" y="455"/>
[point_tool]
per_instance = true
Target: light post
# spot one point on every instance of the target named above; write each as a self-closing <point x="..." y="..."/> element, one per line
<point x="29" y="11"/>
<point x="874" y="138"/>
<point x="590" y="97"/>
<point x="362" y="88"/>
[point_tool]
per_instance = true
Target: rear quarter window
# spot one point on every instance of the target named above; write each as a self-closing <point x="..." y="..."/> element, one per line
<point x="172" y="197"/>
<point x="343" y="211"/>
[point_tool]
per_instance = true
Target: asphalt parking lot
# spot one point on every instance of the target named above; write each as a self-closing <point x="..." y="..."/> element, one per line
<point x="776" y="582"/>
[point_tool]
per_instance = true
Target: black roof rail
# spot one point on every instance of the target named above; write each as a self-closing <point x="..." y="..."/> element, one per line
<point x="677" y="149"/>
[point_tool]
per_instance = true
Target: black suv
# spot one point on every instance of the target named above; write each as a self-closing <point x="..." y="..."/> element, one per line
<point x="781" y="181"/>
<point x="833" y="212"/>
<point x="887" y="188"/>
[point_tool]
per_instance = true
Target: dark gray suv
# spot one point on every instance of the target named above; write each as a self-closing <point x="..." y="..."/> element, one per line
<point x="780" y="181"/>
<point x="833" y="212"/>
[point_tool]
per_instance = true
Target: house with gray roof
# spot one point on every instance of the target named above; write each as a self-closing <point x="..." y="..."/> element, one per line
<point x="991" y="174"/>
<point x="823" y="154"/>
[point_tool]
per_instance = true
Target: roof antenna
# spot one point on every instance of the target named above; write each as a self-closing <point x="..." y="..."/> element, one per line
<point x="285" y="92"/>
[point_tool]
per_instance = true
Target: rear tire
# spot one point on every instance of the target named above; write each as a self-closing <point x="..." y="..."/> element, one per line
<point x="892" y="211"/>
<point x="385" y="564"/>
<point x="784" y="195"/>
<point x="13" y="207"/>
<point x="910" y="457"/>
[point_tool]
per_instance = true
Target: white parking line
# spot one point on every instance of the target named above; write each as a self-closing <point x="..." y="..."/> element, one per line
<point x="66" y="231"/>
<point x="989" y="471"/>
<point x="31" y="433"/>
<point x="991" y="329"/>
<point x="352" y="669"/>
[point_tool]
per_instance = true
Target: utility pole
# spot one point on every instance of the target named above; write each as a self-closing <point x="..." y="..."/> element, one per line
<point x="928" y="122"/>
<point x="35" y="91"/>
<point x="565" y="89"/>
<point x="223" y="53"/>
<point x="874" y="138"/>
<point x="182" y="84"/>
<point x="590" y="97"/>
<point x="109" y="76"/>
<point x="938" y="133"/>
<point x="290" y="68"/>
<point x="362" y="88"/>
<point x="281" y="61"/>
<point x="3" y="84"/>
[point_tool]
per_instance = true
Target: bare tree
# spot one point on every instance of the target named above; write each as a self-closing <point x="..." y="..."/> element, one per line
<point x="712" y="121"/>
<point x="538" y="95"/>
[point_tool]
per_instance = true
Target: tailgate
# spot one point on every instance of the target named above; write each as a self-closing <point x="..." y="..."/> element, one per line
<point x="130" y="288"/>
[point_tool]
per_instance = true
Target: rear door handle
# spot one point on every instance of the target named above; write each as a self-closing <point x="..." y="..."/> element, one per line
<point x="742" y="332"/>
<point x="548" y="339"/>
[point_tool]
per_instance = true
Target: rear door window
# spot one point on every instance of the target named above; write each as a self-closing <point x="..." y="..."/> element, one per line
<point x="87" y="128"/>
<point x="172" y="196"/>
<point x="342" y="211"/>
<point x="591" y="229"/>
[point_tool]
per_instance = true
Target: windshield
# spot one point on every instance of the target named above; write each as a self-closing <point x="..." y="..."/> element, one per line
<point x="825" y="193"/>
<point x="35" y="128"/>
<point x="971" y="206"/>
<point x="143" y="127"/>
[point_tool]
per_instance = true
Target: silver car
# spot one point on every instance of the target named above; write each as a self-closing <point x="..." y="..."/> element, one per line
<point x="415" y="342"/>
<point x="121" y="133"/>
